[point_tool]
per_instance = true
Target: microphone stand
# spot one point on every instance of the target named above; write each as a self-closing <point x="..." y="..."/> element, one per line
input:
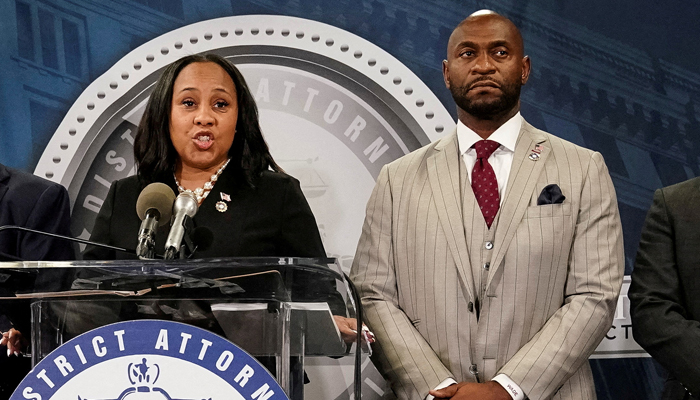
<point x="66" y="238"/>
<point x="358" y="316"/>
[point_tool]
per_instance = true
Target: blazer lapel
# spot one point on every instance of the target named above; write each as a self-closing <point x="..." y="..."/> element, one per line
<point x="443" y="175"/>
<point x="523" y="177"/>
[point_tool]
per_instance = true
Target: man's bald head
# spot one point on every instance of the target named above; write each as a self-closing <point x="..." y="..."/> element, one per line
<point x="481" y="18"/>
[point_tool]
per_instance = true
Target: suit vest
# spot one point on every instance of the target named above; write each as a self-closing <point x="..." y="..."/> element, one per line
<point x="479" y="238"/>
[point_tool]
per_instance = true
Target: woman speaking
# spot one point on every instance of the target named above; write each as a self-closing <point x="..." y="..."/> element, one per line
<point x="200" y="133"/>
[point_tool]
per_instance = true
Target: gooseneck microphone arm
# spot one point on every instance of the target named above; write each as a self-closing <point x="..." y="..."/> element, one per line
<point x="66" y="238"/>
<point x="146" y="247"/>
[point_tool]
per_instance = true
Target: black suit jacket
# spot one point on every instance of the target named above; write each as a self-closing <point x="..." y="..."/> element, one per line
<point x="32" y="202"/>
<point x="29" y="201"/>
<point x="665" y="289"/>
<point x="271" y="219"/>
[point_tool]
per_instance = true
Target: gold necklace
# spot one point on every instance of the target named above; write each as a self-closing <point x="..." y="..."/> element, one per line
<point x="201" y="193"/>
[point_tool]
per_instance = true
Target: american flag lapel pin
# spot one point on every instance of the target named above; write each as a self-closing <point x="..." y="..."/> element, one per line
<point x="535" y="155"/>
<point x="220" y="205"/>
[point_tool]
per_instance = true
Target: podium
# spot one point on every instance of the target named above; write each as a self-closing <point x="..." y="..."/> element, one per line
<point x="279" y="310"/>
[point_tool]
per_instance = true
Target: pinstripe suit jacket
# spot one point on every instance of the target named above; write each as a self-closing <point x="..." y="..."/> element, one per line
<point x="547" y="299"/>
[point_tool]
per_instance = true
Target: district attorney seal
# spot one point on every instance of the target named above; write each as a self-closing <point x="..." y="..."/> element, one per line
<point x="149" y="359"/>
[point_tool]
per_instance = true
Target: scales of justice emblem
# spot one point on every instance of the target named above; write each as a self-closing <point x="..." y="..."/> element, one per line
<point x="143" y="377"/>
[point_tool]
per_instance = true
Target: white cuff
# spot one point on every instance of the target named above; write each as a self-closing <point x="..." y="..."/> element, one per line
<point x="447" y="382"/>
<point x="511" y="387"/>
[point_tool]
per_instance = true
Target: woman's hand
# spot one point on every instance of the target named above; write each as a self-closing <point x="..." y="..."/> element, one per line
<point x="14" y="341"/>
<point x="348" y="329"/>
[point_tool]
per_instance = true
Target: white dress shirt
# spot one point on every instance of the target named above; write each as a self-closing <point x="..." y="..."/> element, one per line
<point x="501" y="160"/>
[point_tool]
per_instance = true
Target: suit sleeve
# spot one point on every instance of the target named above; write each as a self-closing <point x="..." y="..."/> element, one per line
<point x="51" y="213"/>
<point x="594" y="277"/>
<point x="658" y="310"/>
<point x="401" y="352"/>
<point x="101" y="229"/>
<point x="299" y="231"/>
<point x="300" y="238"/>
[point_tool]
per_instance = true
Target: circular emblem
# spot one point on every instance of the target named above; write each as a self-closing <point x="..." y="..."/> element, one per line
<point x="221" y="206"/>
<point x="146" y="359"/>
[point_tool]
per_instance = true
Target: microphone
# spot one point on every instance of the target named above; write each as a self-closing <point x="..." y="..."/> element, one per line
<point x="154" y="207"/>
<point x="185" y="207"/>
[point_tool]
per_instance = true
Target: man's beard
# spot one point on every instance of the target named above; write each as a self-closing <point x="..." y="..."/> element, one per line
<point x="487" y="109"/>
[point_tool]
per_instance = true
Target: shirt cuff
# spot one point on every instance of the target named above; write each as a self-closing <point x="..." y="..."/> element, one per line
<point x="447" y="382"/>
<point x="511" y="387"/>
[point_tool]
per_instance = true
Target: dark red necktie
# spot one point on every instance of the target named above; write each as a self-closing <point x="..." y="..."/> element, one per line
<point x="484" y="182"/>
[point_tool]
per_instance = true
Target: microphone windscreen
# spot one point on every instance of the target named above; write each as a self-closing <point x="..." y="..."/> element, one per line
<point x="202" y="237"/>
<point x="159" y="196"/>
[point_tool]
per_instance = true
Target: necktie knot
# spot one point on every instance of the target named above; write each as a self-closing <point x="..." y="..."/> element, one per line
<point x="484" y="148"/>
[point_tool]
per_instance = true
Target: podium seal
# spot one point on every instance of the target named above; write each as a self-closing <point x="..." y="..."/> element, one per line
<point x="148" y="360"/>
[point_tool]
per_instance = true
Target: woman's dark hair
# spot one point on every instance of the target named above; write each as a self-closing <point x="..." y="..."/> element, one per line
<point x="154" y="152"/>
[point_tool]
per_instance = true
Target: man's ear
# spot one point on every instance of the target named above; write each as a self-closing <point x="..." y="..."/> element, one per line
<point x="526" y="70"/>
<point x="446" y="73"/>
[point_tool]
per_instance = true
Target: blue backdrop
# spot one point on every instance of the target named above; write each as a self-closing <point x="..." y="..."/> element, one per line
<point x="617" y="77"/>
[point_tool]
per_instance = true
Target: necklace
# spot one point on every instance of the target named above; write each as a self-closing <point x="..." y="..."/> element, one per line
<point x="201" y="193"/>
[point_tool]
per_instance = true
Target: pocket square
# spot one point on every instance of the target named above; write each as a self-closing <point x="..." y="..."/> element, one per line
<point x="551" y="194"/>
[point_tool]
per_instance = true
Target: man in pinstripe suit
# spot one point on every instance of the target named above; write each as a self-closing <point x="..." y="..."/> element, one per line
<point x="500" y="291"/>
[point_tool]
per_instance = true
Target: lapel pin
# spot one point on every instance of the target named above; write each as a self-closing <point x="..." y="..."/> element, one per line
<point x="535" y="155"/>
<point x="220" y="205"/>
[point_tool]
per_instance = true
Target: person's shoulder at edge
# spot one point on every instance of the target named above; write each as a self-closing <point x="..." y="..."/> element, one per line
<point x="26" y="181"/>
<point x="692" y="184"/>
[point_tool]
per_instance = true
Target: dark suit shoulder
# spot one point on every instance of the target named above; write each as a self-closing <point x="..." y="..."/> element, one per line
<point x="131" y="182"/>
<point x="22" y="194"/>
<point x="271" y="182"/>
<point x="682" y="190"/>
<point x="126" y="189"/>
<point x="33" y="202"/>
<point x="272" y="177"/>
<point x="27" y="183"/>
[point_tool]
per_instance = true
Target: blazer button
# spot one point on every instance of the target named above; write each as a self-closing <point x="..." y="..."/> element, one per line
<point x="487" y="266"/>
<point x="470" y="306"/>
<point x="489" y="245"/>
